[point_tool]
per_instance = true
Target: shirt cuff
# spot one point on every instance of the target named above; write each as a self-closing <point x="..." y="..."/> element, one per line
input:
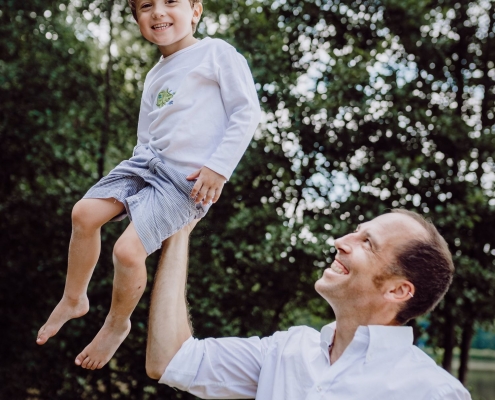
<point x="183" y="368"/>
<point x="219" y="169"/>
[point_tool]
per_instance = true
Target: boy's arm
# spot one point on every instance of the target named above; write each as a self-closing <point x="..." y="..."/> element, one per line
<point x="169" y="324"/>
<point x="143" y="135"/>
<point x="242" y="108"/>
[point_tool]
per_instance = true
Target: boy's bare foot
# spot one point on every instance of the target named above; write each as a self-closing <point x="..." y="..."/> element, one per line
<point x="104" y="345"/>
<point x="66" y="309"/>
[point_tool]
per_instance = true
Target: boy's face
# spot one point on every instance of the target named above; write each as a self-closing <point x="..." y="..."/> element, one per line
<point x="168" y="23"/>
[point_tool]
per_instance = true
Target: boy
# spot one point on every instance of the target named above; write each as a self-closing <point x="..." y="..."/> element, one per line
<point x="199" y="111"/>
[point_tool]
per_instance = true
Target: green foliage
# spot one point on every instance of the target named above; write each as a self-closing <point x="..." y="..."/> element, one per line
<point x="369" y="105"/>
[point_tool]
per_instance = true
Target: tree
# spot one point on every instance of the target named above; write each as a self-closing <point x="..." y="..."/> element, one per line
<point x="451" y="99"/>
<point x="394" y="102"/>
<point x="368" y="105"/>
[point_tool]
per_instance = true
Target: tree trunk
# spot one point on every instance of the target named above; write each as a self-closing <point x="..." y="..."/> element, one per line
<point x="467" y="338"/>
<point x="449" y="343"/>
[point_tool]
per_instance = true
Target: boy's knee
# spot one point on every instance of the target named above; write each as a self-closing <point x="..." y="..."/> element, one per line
<point x="127" y="254"/>
<point x="83" y="216"/>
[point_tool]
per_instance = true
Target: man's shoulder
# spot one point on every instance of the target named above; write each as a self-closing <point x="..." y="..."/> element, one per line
<point x="299" y="330"/>
<point x="433" y="377"/>
<point x="295" y="334"/>
<point x="303" y="330"/>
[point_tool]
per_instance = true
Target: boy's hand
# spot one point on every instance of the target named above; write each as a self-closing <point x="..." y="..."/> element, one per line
<point x="208" y="186"/>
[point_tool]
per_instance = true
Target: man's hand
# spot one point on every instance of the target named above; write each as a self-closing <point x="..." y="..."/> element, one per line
<point x="208" y="186"/>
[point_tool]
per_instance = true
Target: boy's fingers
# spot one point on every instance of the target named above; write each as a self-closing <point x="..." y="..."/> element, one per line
<point x="196" y="188"/>
<point x="201" y="195"/>
<point x="218" y="192"/>
<point x="209" y="196"/>
<point x="194" y="175"/>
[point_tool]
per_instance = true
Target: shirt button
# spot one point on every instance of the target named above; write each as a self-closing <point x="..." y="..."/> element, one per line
<point x="318" y="389"/>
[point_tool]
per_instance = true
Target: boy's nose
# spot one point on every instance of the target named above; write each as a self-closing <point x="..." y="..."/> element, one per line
<point x="159" y="11"/>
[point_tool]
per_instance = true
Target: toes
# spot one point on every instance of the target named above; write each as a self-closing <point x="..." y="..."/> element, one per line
<point x="45" y="333"/>
<point x="86" y="361"/>
<point x="41" y="330"/>
<point x="42" y="336"/>
<point x="80" y="359"/>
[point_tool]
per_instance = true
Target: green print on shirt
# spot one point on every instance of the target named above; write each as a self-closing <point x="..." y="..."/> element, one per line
<point x="164" y="97"/>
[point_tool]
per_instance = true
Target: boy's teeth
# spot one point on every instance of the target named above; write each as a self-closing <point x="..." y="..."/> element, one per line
<point x="161" y="26"/>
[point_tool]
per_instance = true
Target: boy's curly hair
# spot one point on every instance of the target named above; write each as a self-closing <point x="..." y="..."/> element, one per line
<point x="132" y="4"/>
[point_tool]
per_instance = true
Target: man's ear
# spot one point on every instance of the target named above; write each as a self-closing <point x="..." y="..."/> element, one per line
<point x="197" y="12"/>
<point x="399" y="291"/>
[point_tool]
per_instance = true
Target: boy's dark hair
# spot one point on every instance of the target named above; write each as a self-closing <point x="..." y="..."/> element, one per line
<point x="132" y="4"/>
<point x="427" y="264"/>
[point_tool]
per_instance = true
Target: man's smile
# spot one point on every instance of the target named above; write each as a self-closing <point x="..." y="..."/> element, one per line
<point x="339" y="268"/>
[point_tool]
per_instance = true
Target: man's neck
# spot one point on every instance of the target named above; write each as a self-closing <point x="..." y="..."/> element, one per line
<point x="346" y="328"/>
<point x="343" y="337"/>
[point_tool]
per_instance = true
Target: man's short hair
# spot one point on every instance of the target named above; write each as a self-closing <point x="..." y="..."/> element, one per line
<point x="132" y="4"/>
<point x="427" y="264"/>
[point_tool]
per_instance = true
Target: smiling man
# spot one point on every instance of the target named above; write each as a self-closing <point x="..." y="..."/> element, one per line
<point x="391" y="269"/>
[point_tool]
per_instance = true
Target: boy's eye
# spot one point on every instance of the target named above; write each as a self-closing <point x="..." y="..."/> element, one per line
<point x="145" y="5"/>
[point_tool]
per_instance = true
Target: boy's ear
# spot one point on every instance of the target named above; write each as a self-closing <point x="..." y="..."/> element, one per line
<point x="197" y="12"/>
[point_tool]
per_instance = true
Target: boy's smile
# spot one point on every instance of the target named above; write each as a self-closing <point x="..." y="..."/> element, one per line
<point x="168" y="23"/>
<point x="160" y="27"/>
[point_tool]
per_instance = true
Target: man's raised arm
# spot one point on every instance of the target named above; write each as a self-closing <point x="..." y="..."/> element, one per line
<point x="169" y="325"/>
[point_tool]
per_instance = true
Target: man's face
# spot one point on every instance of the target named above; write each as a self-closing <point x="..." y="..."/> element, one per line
<point x="355" y="280"/>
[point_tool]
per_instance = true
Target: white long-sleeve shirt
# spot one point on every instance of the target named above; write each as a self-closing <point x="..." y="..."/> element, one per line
<point x="380" y="363"/>
<point x="200" y="108"/>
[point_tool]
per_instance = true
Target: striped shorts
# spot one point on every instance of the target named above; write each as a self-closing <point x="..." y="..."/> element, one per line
<point x="156" y="197"/>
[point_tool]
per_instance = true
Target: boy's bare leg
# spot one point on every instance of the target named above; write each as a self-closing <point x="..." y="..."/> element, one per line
<point x="128" y="286"/>
<point x="88" y="216"/>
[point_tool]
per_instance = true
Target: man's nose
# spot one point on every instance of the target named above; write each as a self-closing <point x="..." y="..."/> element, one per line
<point x="342" y="244"/>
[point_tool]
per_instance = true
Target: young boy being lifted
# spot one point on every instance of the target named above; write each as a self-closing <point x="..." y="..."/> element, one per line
<point x="198" y="113"/>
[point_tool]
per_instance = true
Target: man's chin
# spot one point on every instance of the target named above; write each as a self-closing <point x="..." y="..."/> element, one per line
<point x="323" y="288"/>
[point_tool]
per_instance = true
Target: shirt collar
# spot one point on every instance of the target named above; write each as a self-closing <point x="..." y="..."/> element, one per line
<point x="199" y="43"/>
<point x="388" y="337"/>
<point x="377" y="337"/>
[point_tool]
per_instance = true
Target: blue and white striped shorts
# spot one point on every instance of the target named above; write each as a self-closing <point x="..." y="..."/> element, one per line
<point x="156" y="197"/>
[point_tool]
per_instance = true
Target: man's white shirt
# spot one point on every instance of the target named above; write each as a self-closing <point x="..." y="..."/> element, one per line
<point x="380" y="363"/>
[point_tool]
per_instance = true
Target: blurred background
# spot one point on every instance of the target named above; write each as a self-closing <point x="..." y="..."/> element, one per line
<point x="368" y="105"/>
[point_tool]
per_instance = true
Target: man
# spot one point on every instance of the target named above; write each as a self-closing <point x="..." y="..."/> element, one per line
<point x="391" y="269"/>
